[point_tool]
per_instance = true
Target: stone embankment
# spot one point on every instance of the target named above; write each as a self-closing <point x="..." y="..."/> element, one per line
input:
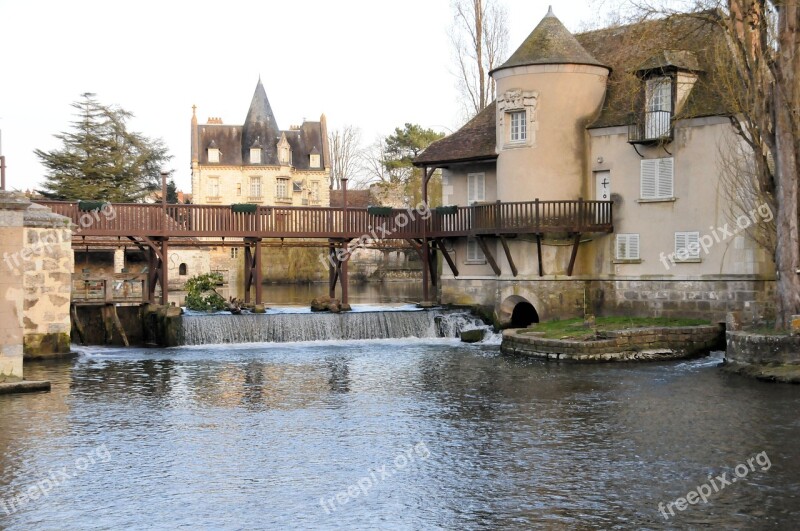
<point x="766" y="357"/>
<point x="636" y="344"/>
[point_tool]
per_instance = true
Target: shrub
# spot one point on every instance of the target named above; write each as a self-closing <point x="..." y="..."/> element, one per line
<point x="201" y="295"/>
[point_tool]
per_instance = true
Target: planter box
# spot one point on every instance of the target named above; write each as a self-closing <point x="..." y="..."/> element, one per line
<point x="90" y="206"/>
<point x="244" y="208"/>
<point x="379" y="211"/>
<point x="448" y="209"/>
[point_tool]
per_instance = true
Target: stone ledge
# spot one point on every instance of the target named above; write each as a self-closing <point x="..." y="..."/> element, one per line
<point x="638" y="344"/>
<point x="24" y="387"/>
<point x="769" y="373"/>
<point x="774" y="358"/>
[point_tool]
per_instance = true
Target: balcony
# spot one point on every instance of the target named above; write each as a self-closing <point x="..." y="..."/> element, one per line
<point x="650" y="127"/>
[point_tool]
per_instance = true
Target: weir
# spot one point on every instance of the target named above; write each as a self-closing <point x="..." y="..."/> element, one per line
<point x="294" y="327"/>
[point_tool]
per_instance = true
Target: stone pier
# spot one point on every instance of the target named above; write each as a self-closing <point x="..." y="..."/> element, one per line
<point x="36" y="264"/>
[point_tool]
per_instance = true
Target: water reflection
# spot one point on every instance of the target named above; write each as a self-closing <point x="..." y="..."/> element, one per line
<point x="251" y="437"/>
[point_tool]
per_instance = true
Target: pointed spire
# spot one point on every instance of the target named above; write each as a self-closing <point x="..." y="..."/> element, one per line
<point x="548" y="44"/>
<point x="261" y="124"/>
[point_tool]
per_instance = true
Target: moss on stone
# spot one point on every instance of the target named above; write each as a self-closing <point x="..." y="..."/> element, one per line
<point x="46" y="345"/>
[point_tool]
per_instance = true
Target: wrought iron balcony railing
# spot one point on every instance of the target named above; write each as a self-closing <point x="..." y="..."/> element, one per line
<point x="650" y="127"/>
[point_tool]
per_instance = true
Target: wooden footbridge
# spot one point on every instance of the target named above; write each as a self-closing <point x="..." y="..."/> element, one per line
<point x="154" y="227"/>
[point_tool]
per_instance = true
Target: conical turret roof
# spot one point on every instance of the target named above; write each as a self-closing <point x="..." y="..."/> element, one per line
<point x="550" y="43"/>
<point x="260" y="126"/>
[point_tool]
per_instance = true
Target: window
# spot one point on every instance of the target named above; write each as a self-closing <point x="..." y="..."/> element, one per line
<point x="659" y="107"/>
<point x="315" y="191"/>
<point x="213" y="187"/>
<point x="657" y="179"/>
<point x="314" y="161"/>
<point x="476" y="187"/>
<point x="255" y="155"/>
<point x="213" y="155"/>
<point x="519" y="128"/>
<point x="687" y="246"/>
<point x="474" y="252"/>
<point x="282" y="189"/>
<point x="627" y="247"/>
<point x="182" y="270"/>
<point x="239" y="189"/>
<point x="234" y="252"/>
<point x="255" y="186"/>
<point x="284" y="152"/>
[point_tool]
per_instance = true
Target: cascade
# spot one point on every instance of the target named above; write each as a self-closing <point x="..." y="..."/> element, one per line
<point x="292" y="327"/>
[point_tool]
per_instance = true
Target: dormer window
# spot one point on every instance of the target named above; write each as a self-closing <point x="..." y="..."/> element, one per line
<point x="667" y="79"/>
<point x="213" y="152"/>
<point x="284" y="151"/>
<point x="255" y="155"/>
<point x="314" y="160"/>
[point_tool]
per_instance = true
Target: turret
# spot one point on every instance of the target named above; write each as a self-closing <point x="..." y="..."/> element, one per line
<point x="261" y="128"/>
<point x="547" y="92"/>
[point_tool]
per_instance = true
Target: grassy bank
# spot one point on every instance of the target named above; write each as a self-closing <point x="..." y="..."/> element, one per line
<point x="576" y="329"/>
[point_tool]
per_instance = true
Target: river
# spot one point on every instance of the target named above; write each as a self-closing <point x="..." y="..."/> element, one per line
<point x="393" y="434"/>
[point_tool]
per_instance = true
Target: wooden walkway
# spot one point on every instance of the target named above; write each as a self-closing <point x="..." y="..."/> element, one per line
<point x="151" y="226"/>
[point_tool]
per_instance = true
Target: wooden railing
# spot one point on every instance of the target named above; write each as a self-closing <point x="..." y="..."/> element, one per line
<point x="115" y="289"/>
<point x="119" y="219"/>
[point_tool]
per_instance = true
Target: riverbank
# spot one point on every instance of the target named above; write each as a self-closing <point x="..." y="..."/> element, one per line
<point x="613" y="340"/>
<point x="768" y="357"/>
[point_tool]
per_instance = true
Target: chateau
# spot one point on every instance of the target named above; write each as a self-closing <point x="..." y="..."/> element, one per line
<point x="258" y="162"/>
<point x="629" y="115"/>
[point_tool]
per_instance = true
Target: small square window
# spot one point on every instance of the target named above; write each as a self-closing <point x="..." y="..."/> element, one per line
<point x="255" y="155"/>
<point x="213" y="155"/>
<point x="234" y="252"/>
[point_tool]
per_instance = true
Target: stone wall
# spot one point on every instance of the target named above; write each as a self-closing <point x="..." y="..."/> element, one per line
<point x="47" y="283"/>
<point x="563" y="297"/>
<point x="745" y="348"/>
<point x="657" y="343"/>
<point x="11" y="291"/>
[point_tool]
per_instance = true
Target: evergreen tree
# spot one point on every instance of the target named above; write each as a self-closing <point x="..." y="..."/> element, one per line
<point x="400" y="150"/>
<point x="172" y="192"/>
<point x="100" y="159"/>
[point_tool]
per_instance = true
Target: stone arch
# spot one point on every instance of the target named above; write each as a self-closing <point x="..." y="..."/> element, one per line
<point x="516" y="312"/>
<point x="182" y="270"/>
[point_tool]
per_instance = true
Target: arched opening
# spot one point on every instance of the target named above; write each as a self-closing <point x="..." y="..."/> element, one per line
<point x="182" y="270"/>
<point x="524" y="315"/>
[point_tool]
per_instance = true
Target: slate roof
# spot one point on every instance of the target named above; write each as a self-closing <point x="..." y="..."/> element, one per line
<point x="548" y="44"/>
<point x="260" y="129"/>
<point x="475" y="141"/>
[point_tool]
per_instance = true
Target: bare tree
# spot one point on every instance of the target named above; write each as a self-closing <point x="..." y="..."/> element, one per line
<point x="480" y="41"/>
<point x="346" y="154"/>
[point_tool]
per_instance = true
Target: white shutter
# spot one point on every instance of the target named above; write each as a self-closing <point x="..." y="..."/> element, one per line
<point x="627" y="246"/>
<point x="693" y="245"/>
<point x="680" y="246"/>
<point x="648" y="178"/>
<point x="476" y="187"/>
<point x="664" y="188"/>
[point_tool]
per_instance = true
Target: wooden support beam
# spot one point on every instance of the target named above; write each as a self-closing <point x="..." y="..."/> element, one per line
<point x="575" y="245"/>
<point x="432" y="264"/>
<point x="426" y="258"/>
<point x="488" y="254"/>
<point x="539" y="253"/>
<point x="508" y="255"/>
<point x="332" y="271"/>
<point x="163" y="274"/>
<point x="446" y="255"/>
<point x="343" y="280"/>
<point x="259" y="273"/>
<point x="248" y="273"/>
<point x="76" y="324"/>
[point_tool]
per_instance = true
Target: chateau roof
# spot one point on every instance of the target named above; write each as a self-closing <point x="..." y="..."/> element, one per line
<point x="550" y="43"/>
<point x="261" y="127"/>
<point x="475" y="141"/>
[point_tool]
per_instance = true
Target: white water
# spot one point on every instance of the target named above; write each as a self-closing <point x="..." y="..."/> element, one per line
<point x="295" y="327"/>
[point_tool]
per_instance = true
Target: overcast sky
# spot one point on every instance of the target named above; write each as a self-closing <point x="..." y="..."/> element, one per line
<point x="374" y="64"/>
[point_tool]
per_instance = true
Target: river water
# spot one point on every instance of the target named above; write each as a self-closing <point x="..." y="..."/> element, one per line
<point x="392" y="434"/>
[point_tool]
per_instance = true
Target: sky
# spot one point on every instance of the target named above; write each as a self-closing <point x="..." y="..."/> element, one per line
<point x="372" y="64"/>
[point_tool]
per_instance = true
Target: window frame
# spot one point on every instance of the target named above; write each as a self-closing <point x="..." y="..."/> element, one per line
<point x="255" y="151"/>
<point x="517" y="125"/>
<point x="470" y="178"/>
<point x="217" y="155"/>
<point x="475" y="254"/>
<point x="256" y="189"/>
<point x="282" y="183"/>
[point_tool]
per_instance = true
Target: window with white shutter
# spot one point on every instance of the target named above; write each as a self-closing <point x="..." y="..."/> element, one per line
<point x="627" y="247"/>
<point x="657" y="179"/>
<point x="474" y="252"/>
<point x="687" y="246"/>
<point x="476" y="187"/>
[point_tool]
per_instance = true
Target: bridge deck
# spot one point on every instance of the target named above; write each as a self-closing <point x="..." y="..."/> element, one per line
<point x="152" y="220"/>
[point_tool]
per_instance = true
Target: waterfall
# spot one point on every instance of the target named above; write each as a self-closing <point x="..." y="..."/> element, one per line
<point x="291" y="327"/>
